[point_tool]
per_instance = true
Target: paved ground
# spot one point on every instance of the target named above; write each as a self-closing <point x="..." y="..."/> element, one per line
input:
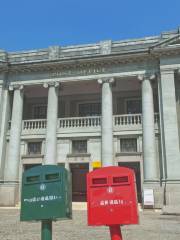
<point x="153" y="226"/>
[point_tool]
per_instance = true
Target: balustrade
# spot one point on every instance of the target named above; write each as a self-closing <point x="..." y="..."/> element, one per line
<point x="34" y="124"/>
<point x="79" y="122"/>
<point x="126" y="120"/>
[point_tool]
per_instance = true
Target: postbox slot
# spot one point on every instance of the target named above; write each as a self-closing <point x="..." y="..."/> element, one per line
<point x="99" y="181"/>
<point x="52" y="176"/>
<point x="121" y="180"/>
<point x="33" y="179"/>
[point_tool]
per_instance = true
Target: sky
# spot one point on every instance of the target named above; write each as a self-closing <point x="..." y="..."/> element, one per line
<point x="37" y="24"/>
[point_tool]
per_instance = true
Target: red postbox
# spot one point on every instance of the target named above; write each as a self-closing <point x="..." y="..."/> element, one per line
<point x="112" y="198"/>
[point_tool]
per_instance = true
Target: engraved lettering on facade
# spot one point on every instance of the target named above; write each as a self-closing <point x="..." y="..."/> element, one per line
<point x="82" y="71"/>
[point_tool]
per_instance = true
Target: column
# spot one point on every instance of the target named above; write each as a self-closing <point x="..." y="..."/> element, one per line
<point x="51" y="129"/>
<point x="149" y="144"/>
<point x="1" y="85"/>
<point x="12" y="166"/>
<point x="2" y="77"/>
<point x="5" y="117"/>
<point x="107" y="155"/>
<point x="1" y="109"/>
<point x="169" y="125"/>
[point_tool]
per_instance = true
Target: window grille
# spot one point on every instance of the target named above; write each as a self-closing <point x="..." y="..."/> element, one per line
<point x="128" y="145"/>
<point x="39" y="111"/>
<point x="34" y="148"/>
<point x="79" y="146"/>
<point x="89" y="109"/>
<point x="134" y="106"/>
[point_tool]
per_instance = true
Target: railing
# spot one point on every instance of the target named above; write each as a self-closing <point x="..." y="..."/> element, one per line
<point x="34" y="124"/>
<point x="126" y="120"/>
<point x="78" y="122"/>
<point x="131" y="119"/>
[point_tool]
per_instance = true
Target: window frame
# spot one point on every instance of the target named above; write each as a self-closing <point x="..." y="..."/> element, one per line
<point x="88" y="102"/>
<point x="132" y="99"/>
<point x="34" y="142"/>
<point x="76" y="152"/>
<point x="38" y="105"/>
<point x="128" y="138"/>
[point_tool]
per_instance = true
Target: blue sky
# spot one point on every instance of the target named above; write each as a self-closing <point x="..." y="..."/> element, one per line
<point x="32" y="24"/>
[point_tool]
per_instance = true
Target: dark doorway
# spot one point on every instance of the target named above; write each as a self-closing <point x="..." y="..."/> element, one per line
<point x="136" y="167"/>
<point x="79" y="171"/>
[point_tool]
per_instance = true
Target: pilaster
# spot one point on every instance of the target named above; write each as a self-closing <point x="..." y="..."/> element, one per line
<point x="169" y="125"/>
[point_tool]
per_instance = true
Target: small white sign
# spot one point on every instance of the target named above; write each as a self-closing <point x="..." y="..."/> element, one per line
<point x="148" y="197"/>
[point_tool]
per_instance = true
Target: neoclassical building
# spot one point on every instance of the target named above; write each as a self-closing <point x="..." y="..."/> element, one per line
<point x="110" y="103"/>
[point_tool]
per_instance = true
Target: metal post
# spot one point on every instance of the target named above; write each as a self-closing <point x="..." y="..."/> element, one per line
<point x="46" y="230"/>
<point x="115" y="231"/>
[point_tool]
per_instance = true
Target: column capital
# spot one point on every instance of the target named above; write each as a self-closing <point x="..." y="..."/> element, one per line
<point x="168" y="70"/>
<point x="13" y="87"/>
<point x="51" y="84"/>
<point x="106" y="80"/>
<point x="147" y="76"/>
<point x="178" y="71"/>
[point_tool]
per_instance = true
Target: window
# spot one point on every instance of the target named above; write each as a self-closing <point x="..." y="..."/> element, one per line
<point x="28" y="166"/>
<point x="34" y="148"/>
<point x="89" y="109"/>
<point x="128" y="145"/>
<point x="79" y="146"/>
<point x="133" y="106"/>
<point x="39" y="111"/>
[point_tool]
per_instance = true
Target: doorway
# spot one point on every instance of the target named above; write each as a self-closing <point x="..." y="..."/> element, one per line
<point x="79" y="171"/>
<point x="136" y="167"/>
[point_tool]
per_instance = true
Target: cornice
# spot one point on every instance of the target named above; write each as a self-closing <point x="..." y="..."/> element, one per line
<point x="113" y="59"/>
<point x="167" y="51"/>
<point x="102" y="53"/>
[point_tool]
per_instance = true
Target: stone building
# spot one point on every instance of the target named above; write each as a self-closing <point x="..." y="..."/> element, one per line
<point x="116" y="102"/>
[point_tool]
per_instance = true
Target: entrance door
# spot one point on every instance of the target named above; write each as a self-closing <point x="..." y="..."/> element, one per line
<point x="136" y="167"/>
<point x="79" y="172"/>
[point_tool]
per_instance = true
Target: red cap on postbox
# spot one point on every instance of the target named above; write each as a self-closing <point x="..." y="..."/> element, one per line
<point x="111" y="197"/>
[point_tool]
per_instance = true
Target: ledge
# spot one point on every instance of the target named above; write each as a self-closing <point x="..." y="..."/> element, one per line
<point x="32" y="156"/>
<point x="129" y="154"/>
<point x="78" y="155"/>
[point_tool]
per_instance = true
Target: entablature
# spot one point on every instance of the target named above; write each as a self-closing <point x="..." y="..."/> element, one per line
<point x="90" y="61"/>
<point x="82" y="72"/>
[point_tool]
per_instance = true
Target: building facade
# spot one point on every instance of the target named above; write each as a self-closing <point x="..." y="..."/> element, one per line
<point x="113" y="102"/>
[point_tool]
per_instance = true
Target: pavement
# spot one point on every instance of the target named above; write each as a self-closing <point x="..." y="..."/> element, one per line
<point x="153" y="226"/>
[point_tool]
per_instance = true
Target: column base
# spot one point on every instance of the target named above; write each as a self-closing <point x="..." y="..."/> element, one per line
<point x="167" y="196"/>
<point x="172" y="198"/>
<point x="158" y="193"/>
<point x="9" y="194"/>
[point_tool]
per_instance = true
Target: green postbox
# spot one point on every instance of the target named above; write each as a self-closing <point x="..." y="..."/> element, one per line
<point x="46" y="194"/>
